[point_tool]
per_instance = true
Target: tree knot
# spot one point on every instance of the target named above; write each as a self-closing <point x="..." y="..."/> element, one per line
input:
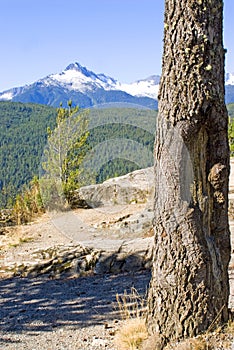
<point x="217" y="176"/>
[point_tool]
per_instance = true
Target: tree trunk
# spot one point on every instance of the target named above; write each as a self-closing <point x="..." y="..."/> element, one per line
<point x="189" y="287"/>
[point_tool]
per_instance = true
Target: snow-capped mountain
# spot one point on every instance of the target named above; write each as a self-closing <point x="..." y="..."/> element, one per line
<point x="85" y="88"/>
<point x="78" y="78"/>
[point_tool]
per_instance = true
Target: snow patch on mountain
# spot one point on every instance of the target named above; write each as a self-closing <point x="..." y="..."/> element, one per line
<point x="229" y="79"/>
<point x="74" y="80"/>
<point x="7" y="96"/>
<point x="147" y="87"/>
<point x="78" y="78"/>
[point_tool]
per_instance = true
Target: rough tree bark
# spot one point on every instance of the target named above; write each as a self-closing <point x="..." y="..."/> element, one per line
<point x="189" y="287"/>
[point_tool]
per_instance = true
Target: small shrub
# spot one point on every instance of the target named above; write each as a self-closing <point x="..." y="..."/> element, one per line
<point x="28" y="204"/>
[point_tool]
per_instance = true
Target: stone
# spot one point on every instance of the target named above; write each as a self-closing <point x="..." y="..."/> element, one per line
<point x="135" y="187"/>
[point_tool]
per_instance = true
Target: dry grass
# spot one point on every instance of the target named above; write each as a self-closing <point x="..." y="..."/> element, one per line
<point x="131" y="305"/>
<point x="133" y="331"/>
<point x="20" y="241"/>
<point x="131" y="335"/>
<point x="229" y="329"/>
<point x="221" y="338"/>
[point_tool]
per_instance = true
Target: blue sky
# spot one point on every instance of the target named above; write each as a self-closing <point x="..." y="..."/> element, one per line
<point x="121" y="38"/>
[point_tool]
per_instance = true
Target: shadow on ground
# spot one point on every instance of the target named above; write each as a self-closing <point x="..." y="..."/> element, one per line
<point x="42" y="304"/>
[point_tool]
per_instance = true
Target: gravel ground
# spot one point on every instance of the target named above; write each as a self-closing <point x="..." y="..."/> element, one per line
<point x="68" y="314"/>
<point x="64" y="314"/>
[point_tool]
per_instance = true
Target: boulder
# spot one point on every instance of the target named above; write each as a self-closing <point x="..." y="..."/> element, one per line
<point x="135" y="187"/>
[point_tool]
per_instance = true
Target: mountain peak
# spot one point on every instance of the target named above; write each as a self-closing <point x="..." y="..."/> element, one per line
<point x="79" y="68"/>
<point x="74" y="66"/>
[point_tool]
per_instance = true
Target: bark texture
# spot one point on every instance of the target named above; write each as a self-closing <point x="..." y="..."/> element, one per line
<point x="189" y="287"/>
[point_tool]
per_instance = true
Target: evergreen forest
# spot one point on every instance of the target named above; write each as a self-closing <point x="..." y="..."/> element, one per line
<point x="23" y="134"/>
<point x="116" y="136"/>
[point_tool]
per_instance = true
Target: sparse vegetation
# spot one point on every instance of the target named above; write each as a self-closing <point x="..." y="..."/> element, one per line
<point x="20" y="241"/>
<point x="28" y="204"/>
<point x="131" y="305"/>
<point x="133" y="332"/>
<point x="221" y="338"/>
<point x="191" y="344"/>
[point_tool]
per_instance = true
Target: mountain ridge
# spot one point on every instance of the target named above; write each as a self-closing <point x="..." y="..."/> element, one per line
<point x="87" y="88"/>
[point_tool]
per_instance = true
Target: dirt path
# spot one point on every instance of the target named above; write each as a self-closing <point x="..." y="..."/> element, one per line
<point x="67" y="314"/>
<point x="90" y="227"/>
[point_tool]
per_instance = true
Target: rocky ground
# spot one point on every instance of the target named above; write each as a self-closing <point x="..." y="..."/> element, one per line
<point x="108" y="239"/>
<point x="65" y="310"/>
<point x="75" y="313"/>
<point x="74" y="307"/>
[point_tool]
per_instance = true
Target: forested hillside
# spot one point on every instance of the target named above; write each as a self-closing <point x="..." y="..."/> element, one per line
<point x="23" y="136"/>
<point x="22" y="139"/>
<point x="121" y="140"/>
